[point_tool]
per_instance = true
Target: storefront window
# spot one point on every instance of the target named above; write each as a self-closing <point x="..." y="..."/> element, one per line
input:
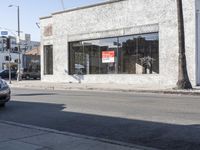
<point x="48" y="59"/>
<point x="101" y="56"/>
<point x="136" y="54"/>
<point x="139" y="54"/>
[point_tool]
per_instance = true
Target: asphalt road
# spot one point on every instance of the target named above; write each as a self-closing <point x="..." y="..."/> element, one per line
<point x="158" y="121"/>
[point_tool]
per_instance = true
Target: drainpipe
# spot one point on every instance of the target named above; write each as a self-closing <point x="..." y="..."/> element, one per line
<point x="197" y="49"/>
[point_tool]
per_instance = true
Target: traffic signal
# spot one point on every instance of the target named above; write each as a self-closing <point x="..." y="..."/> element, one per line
<point x="7" y="58"/>
<point x="8" y="43"/>
<point x="4" y="41"/>
<point x="16" y="49"/>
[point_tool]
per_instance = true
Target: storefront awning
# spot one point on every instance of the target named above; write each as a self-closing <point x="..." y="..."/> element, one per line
<point x="34" y="51"/>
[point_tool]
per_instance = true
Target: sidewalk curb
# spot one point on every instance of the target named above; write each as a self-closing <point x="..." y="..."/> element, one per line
<point x="113" y="142"/>
<point x="87" y="88"/>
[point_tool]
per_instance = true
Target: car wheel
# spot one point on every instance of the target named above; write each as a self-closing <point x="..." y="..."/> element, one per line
<point x="27" y="77"/>
<point x="3" y="105"/>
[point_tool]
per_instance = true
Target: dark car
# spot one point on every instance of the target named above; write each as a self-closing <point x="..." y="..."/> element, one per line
<point x="4" y="74"/>
<point x="4" y="92"/>
<point x="30" y="74"/>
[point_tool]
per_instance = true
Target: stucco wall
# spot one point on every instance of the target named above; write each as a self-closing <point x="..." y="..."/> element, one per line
<point x="124" y="18"/>
<point x="45" y="40"/>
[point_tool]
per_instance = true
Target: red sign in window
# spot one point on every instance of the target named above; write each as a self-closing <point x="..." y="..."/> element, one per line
<point x="108" y="56"/>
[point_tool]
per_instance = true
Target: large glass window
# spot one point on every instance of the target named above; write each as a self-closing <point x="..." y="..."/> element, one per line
<point x="136" y="54"/>
<point x="48" y="59"/>
<point x="139" y="54"/>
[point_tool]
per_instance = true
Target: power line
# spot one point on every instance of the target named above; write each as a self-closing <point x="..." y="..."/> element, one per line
<point x="62" y="3"/>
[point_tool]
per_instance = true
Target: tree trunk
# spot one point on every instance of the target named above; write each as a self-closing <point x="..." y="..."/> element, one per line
<point x="183" y="79"/>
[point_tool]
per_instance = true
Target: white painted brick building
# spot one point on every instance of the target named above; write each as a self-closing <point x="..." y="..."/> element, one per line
<point x="75" y="41"/>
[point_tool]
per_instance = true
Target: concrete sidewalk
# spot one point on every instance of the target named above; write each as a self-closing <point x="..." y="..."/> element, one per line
<point x="36" y="84"/>
<point x="24" y="137"/>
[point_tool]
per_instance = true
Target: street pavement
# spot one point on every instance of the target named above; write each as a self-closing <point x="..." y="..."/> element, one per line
<point x="119" y="119"/>
<point x="24" y="137"/>
<point x="169" y="122"/>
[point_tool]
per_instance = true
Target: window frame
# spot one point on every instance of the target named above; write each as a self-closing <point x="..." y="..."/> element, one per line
<point x="47" y="71"/>
<point x="118" y="39"/>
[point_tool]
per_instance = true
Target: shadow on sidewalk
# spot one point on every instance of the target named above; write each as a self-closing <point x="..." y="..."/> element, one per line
<point x="144" y="133"/>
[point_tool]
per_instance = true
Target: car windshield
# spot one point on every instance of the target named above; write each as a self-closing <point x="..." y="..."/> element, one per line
<point x="1" y="71"/>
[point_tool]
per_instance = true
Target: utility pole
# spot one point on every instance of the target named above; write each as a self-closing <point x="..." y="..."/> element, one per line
<point x="62" y="3"/>
<point x="8" y="46"/>
<point x="9" y="66"/>
<point x="19" y="60"/>
<point x="18" y="43"/>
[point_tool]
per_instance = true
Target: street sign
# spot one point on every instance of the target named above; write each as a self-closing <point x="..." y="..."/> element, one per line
<point x="4" y="32"/>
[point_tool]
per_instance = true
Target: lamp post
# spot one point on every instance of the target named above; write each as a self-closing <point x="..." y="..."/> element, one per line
<point x="9" y="67"/>
<point x="18" y="43"/>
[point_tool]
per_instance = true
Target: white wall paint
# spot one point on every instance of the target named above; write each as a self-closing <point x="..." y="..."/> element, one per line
<point x="123" y="18"/>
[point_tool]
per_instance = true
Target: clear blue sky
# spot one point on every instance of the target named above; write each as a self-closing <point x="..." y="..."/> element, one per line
<point x="31" y="10"/>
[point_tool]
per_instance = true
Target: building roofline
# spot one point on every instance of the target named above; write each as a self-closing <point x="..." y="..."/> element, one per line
<point x="45" y="17"/>
<point x="82" y="7"/>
